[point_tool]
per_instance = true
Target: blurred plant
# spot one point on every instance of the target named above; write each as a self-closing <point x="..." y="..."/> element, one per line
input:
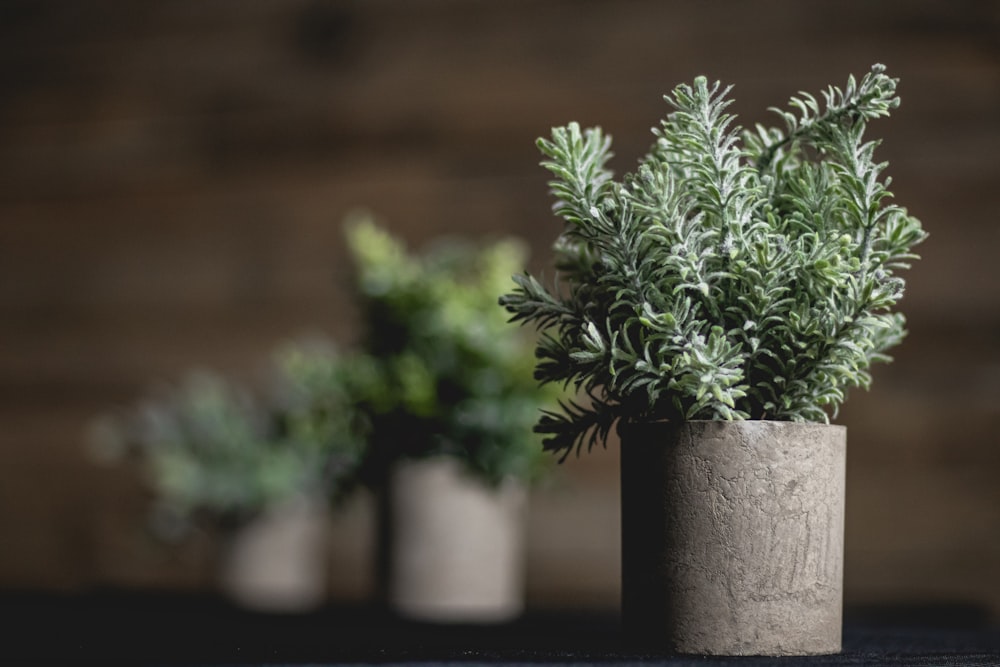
<point x="440" y="372"/>
<point x="723" y="279"/>
<point x="313" y="411"/>
<point x="213" y="451"/>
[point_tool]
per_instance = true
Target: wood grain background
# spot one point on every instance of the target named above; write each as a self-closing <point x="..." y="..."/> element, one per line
<point x="173" y="176"/>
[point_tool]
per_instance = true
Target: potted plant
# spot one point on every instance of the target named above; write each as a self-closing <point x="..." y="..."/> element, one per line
<point x="716" y="305"/>
<point x="256" y="469"/>
<point x="450" y="401"/>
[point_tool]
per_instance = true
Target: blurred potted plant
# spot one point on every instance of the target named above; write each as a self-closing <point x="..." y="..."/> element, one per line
<point x="450" y="400"/>
<point x="258" y="470"/>
<point x="716" y="305"/>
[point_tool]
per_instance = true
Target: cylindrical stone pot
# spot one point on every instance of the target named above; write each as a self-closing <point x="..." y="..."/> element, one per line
<point x="733" y="536"/>
<point x="277" y="562"/>
<point x="453" y="547"/>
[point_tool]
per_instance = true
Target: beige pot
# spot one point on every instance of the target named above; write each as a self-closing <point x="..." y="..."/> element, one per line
<point x="277" y="563"/>
<point x="455" y="547"/>
<point x="733" y="536"/>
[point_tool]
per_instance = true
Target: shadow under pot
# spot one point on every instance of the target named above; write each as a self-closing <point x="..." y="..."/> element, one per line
<point x="451" y="548"/>
<point x="733" y="536"/>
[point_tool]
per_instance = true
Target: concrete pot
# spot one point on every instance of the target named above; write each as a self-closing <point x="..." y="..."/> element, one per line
<point x="733" y="536"/>
<point x="453" y="548"/>
<point x="277" y="563"/>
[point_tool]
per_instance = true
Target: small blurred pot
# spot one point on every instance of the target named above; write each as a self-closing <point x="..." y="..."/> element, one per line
<point x="277" y="563"/>
<point x="452" y="548"/>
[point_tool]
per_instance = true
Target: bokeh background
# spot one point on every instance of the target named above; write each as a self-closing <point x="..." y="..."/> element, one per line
<point x="173" y="176"/>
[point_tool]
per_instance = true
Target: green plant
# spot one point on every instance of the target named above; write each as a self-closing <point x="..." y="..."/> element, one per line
<point x="439" y="372"/>
<point x="312" y="411"/>
<point x="214" y="451"/>
<point x="734" y="275"/>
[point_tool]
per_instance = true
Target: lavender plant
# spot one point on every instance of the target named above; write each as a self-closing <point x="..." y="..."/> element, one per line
<point x="736" y="274"/>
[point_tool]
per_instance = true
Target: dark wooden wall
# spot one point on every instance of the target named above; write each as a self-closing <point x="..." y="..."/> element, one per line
<point x="173" y="176"/>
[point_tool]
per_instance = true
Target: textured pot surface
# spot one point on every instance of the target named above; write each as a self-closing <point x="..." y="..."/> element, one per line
<point x="457" y="547"/>
<point x="733" y="536"/>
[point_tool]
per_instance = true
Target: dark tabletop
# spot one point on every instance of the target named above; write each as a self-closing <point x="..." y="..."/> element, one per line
<point x="145" y="628"/>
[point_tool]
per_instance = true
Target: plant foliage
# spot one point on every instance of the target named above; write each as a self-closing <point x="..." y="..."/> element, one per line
<point x="736" y="274"/>
<point x="439" y="372"/>
<point x="214" y="451"/>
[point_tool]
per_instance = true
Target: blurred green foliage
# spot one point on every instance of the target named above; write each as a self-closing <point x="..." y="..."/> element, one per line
<point x="214" y="451"/>
<point x="441" y="371"/>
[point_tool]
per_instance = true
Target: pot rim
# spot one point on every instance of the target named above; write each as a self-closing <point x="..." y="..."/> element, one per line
<point x="624" y="427"/>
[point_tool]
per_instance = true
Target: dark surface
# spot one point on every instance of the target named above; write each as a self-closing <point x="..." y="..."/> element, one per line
<point x="116" y="627"/>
